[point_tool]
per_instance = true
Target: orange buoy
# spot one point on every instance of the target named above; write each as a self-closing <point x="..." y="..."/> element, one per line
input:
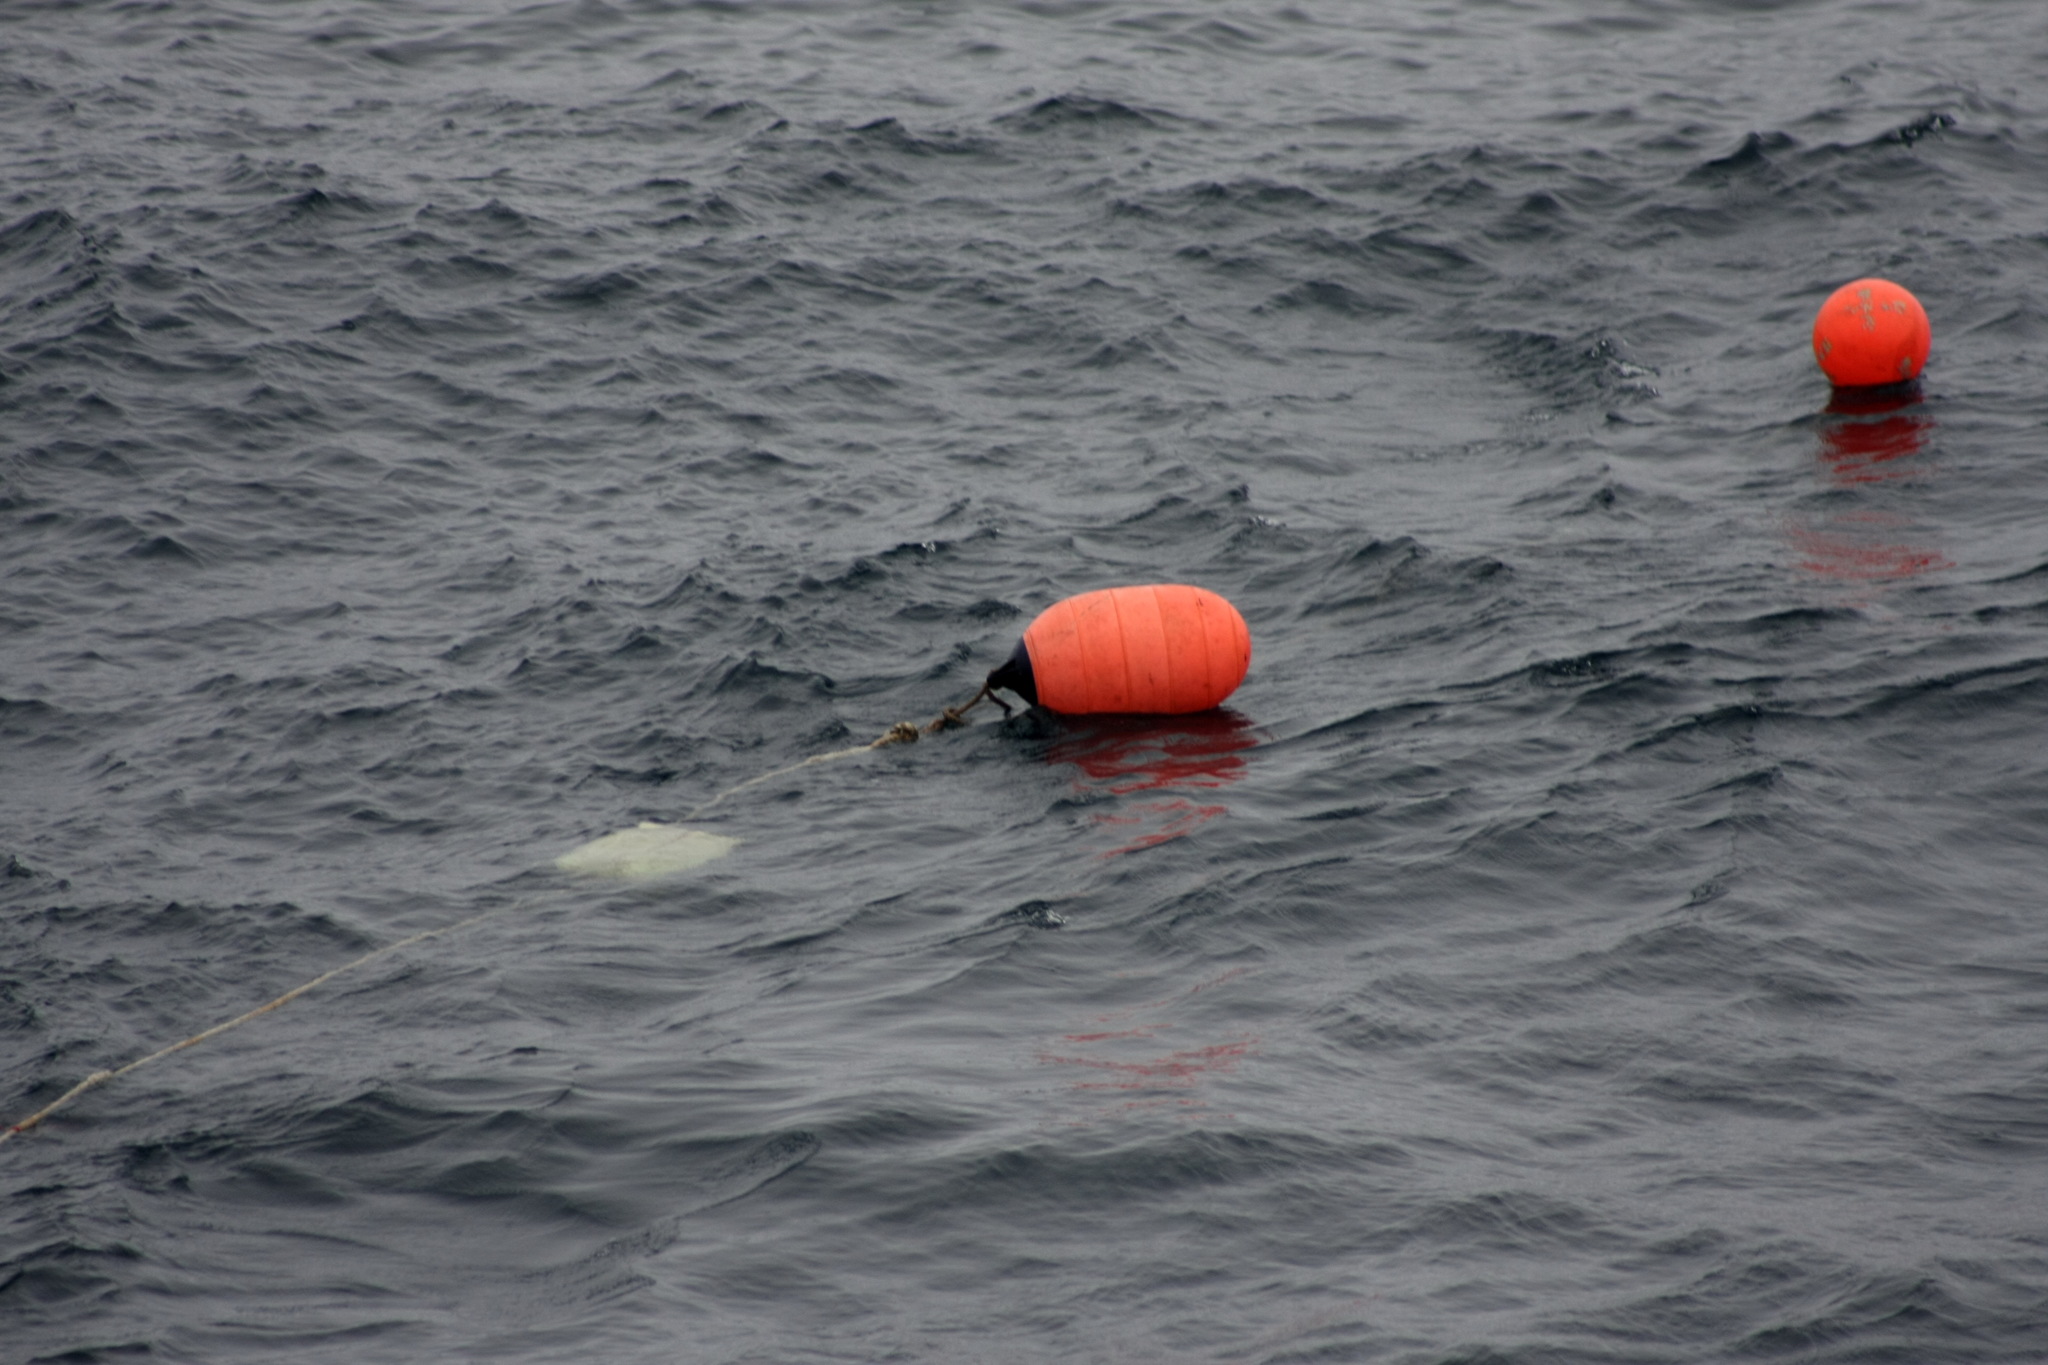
<point x="1871" y="332"/>
<point x="1162" y="649"/>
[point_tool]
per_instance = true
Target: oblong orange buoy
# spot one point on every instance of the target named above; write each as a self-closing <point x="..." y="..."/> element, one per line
<point x="1161" y="649"/>
<point x="1871" y="331"/>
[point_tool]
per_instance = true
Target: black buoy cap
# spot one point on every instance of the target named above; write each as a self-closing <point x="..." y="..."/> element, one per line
<point x="1016" y="676"/>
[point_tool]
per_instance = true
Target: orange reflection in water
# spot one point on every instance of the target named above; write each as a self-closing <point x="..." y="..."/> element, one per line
<point x="1125" y="1064"/>
<point x="1130" y="1058"/>
<point x="1123" y="755"/>
<point x="1857" y="546"/>
<point x="1871" y="435"/>
<point x="1868" y="437"/>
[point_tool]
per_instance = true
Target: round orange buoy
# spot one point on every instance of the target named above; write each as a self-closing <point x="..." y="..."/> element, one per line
<point x="1871" y="332"/>
<point x="1161" y="649"/>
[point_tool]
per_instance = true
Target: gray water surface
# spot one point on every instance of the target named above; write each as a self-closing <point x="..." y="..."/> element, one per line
<point x="1607" y="926"/>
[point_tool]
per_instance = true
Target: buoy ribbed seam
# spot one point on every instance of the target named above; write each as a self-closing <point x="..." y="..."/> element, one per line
<point x="1165" y="643"/>
<point x="1085" y="664"/>
<point x="1043" y="674"/>
<point x="1066" y="616"/>
<point x="1123" y="652"/>
<point x="1204" y="615"/>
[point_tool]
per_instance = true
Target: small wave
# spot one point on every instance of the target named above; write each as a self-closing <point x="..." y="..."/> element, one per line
<point x="1592" y="368"/>
<point x="1081" y="113"/>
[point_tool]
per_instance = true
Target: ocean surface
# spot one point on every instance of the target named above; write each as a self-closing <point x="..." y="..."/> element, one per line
<point x="1610" y="924"/>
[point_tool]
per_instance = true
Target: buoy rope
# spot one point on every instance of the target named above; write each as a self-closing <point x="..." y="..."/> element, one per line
<point x="902" y="732"/>
<point x="100" y="1078"/>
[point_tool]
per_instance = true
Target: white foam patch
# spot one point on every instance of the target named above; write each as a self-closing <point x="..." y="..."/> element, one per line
<point x="649" y="849"/>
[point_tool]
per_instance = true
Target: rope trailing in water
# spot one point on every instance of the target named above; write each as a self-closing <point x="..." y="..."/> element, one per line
<point x="902" y="732"/>
<point x="100" y="1078"/>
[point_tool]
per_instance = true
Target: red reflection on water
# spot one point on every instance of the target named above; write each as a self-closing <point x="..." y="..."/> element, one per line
<point x="1168" y="820"/>
<point x="1175" y="1068"/>
<point x="1125" y="1063"/>
<point x="1871" y="434"/>
<point x="1141" y="753"/>
<point x="1142" y="761"/>
<point x="1122" y="755"/>
<point x="1868" y="436"/>
<point x="1853" y="548"/>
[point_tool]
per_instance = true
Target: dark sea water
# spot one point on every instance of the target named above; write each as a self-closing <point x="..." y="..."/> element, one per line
<point x="1609" y="925"/>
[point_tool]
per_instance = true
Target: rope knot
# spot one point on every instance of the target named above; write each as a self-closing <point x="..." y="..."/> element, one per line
<point x="902" y="732"/>
<point x="955" y="716"/>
